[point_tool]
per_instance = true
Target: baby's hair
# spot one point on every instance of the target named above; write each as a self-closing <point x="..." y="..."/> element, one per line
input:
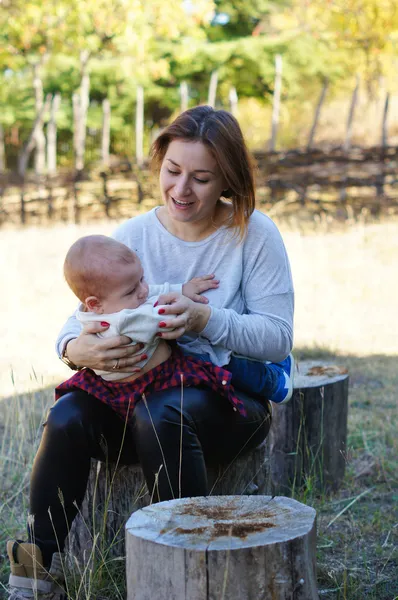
<point x="90" y="262"/>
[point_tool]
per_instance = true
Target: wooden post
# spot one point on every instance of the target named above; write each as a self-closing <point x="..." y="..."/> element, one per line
<point x="184" y="96"/>
<point x="317" y="114"/>
<point x="308" y="437"/>
<point x="222" y="547"/>
<point x="350" y="120"/>
<point x="139" y="126"/>
<point x="52" y="136"/>
<point x="211" y="99"/>
<point x="276" y="101"/>
<point x="106" y="131"/>
<point x="233" y="101"/>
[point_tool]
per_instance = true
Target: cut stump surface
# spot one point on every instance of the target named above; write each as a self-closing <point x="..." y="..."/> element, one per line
<point x="235" y="547"/>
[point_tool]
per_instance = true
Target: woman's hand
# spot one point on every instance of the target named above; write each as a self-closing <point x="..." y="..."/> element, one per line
<point x="181" y="315"/>
<point x="89" y="350"/>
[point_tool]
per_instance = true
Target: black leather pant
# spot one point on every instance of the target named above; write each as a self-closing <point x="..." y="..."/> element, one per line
<point x="79" y="427"/>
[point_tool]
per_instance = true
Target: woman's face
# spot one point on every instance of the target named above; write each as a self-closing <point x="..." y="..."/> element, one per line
<point x="190" y="182"/>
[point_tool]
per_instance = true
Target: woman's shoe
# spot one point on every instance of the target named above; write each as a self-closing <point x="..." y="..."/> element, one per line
<point x="29" y="578"/>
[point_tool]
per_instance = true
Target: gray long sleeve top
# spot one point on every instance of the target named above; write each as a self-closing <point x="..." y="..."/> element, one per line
<point x="251" y="310"/>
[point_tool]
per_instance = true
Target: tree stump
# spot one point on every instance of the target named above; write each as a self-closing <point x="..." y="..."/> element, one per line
<point x="222" y="547"/>
<point x="113" y="493"/>
<point x="307" y="441"/>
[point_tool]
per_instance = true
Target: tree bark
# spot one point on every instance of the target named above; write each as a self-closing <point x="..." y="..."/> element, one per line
<point x="350" y="120"/>
<point x="113" y="493"/>
<point x="384" y="132"/>
<point x="106" y="131"/>
<point x="2" y="151"/>
<point x="184" y="96"/>
<point x="39" y="137"/>
<point x="317" y="114"/>
<point x="233" y="101"/>
<point x="276" y="102"/>
<point x="308" y="437"/>
<point x="139" y="126"/>
<point x="30" y="144"/>
<point x="235" y="547"/>
<point x="52" y="136"/>
<point x="81" y="103"/>
<point x="211" y="100"/>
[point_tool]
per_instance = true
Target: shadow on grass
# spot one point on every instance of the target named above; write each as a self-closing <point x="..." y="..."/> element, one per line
<point x="357" y="526"/>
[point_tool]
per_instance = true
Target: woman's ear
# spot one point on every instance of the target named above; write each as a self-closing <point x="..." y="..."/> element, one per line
<point x="93" y="304"/>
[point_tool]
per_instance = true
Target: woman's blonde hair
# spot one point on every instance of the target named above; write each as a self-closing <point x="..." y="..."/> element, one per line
<point x="221" y="133"/>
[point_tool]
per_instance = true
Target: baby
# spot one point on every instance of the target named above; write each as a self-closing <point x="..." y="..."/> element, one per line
<point x="108" y="279"/>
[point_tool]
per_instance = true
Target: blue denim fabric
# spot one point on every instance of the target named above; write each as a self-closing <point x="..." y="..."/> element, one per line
<point x="253" y="377"/>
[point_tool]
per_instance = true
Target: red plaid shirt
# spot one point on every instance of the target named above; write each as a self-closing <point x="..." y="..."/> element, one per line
<point x="177" y="371"/>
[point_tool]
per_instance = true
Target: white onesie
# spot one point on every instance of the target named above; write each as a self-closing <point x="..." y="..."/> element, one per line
<point x="140" y="324"/>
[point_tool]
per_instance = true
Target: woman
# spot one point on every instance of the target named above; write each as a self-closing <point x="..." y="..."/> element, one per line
<point x="202" y="161"/>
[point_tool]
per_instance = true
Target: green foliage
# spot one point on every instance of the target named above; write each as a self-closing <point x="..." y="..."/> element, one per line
<point x="158" y="45"/>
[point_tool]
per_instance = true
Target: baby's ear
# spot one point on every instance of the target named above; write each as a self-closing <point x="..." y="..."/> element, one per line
<point x="94" y="305"/>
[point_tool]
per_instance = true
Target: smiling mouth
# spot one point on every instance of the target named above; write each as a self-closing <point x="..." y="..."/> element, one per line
<point x="179" y="203"/>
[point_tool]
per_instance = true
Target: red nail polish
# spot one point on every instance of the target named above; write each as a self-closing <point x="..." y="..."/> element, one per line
<point x="159" y="334"/>
<point x="104" y="324"/>
<point x="156" y="303"/>
<point x="161" y="311"/>
<point x="162" y="324"/>
<point x="144" y="357"/>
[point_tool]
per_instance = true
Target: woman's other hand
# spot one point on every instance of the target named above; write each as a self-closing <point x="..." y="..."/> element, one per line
<point x="181" y="314"/>
<point x="89" y="350"/>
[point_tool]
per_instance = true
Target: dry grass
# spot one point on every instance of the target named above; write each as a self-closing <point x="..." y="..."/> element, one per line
<point x="346" y="286"/>
<point x="345" y="282"/>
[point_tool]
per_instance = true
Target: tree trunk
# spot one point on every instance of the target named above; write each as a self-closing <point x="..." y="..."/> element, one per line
<point x="211" y="100"/>
<point x="2" y="151"/>
<point x="81" y="104"/>
<point x="384" y="132"/>
<point x="39" y="137"/>
<point x="114" y="493"/>
<point x="233" y="101"/>
<point x="52" y="136"/>
<point x="276" y="102"/>
<point x="184" y="96"/>
<point x="317" y="114"/>
<point x="23" y="158"/>
<point x="222" y="547"/>
<point x="350" y="120"/>
<point x="106" y="131"/>
<point x="139" y="126"/>
<point x="308" y="437"/>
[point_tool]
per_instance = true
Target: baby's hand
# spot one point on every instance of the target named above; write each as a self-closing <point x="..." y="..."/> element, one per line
<point x="197" y="285"/>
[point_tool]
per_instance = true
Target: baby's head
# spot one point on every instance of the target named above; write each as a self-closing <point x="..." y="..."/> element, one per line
<point x="105" y="275"/>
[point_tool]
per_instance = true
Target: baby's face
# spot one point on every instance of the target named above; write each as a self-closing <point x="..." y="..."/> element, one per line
<point x="127" y="287"/>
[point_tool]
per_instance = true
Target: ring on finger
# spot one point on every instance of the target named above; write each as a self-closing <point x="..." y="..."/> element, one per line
<point x="116" y="365"/>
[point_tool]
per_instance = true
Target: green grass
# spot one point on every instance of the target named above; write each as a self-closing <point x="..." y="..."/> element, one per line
<point x="358" y="526"/>
<point x="357" y="553"/>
